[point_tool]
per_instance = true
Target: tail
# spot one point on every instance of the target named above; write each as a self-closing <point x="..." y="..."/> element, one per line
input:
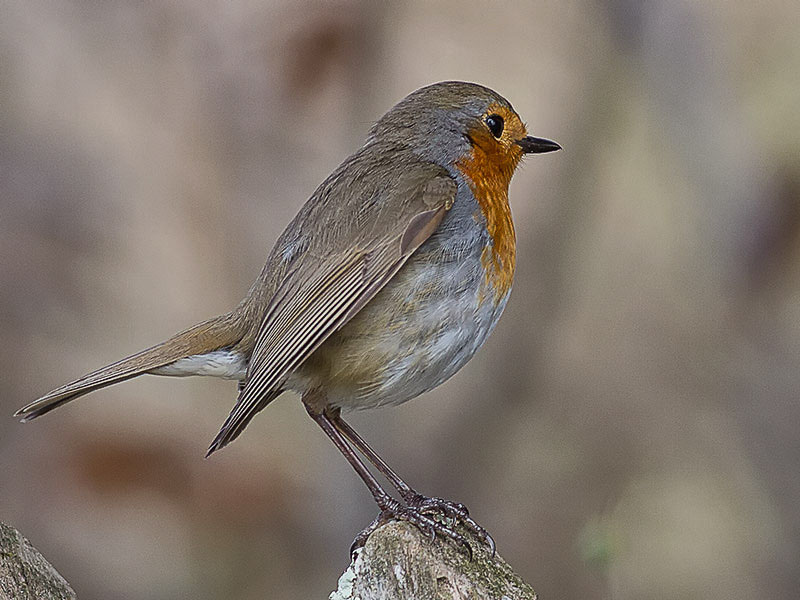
<point x="214" y="334"/>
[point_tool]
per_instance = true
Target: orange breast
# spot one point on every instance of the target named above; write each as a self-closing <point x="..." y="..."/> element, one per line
<point x="488" y="170"/>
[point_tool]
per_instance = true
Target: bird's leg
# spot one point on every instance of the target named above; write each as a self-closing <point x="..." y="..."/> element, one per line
<point x="390" y="507"/>
<point x="453" y="510"/>
<point x="383" y="499"/>
<point x="406" y="491"/>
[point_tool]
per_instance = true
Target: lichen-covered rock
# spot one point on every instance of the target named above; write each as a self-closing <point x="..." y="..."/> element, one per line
<point x="25" y="574"/>
<point x="399" y="563"/>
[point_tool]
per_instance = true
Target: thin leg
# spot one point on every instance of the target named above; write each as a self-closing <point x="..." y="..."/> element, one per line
<point x="381" y="497"/>
<point x="454" y="510"/>
<point x="406" y="492"/>
<point x="390" y="508"/>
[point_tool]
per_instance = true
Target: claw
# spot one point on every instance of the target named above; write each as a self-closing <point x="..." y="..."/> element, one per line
<point x="361" y="538"/>
<point x="428" y="526"/>
<point x="416" y="513"/>
<point x="458" y="513"/>
<point x="468" y="549"/>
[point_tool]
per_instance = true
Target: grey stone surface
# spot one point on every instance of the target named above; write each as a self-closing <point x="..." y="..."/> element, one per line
<point x="24" y="572"/>
<point x="398" y="562"/>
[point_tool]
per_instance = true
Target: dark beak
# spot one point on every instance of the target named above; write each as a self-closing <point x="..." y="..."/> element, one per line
<point x="534" y="145"/>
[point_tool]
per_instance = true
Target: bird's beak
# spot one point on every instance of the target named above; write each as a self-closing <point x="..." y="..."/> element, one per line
<point x="534" y="145"/>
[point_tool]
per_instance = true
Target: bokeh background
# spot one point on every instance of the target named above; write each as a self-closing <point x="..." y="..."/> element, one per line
<point x="632" y="429"/>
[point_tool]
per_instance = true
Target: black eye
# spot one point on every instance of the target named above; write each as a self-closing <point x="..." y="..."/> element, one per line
<point x="495" y="124"/>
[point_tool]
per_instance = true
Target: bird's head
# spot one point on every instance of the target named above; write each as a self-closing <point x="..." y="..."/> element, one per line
<point x="454" y="123"/>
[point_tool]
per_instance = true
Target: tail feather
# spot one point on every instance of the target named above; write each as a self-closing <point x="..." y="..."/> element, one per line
<point x="214" y="334"/>
<point x="236" y="422"/>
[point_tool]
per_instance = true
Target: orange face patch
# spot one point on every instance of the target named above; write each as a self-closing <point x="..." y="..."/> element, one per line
<point x="488" y="169"/>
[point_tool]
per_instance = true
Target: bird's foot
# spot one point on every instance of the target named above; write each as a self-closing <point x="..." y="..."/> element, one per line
<point x="454" y="511"/>
<point x="361" y="538"/>
<point x="394" y="510"/>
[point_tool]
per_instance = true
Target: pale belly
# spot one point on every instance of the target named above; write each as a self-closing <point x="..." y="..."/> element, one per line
<point x="415" y="334"/>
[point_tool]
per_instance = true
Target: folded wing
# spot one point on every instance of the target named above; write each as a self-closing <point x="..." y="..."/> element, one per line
<point x="321" y="293"/>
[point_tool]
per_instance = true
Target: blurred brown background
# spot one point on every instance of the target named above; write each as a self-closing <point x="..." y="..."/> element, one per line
<point x="632" y="429"/>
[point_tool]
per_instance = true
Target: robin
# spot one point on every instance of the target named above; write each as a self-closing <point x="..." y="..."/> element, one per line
<point x="385" y="284"/>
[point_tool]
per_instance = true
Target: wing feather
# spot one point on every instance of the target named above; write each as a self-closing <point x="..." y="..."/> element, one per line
<point x="319" y="298"/>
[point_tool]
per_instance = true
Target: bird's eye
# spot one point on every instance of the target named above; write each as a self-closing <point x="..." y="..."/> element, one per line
<point x="495" y="124"/>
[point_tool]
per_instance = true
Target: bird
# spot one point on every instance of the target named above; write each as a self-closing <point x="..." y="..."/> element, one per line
<point x="386" y="282"/>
